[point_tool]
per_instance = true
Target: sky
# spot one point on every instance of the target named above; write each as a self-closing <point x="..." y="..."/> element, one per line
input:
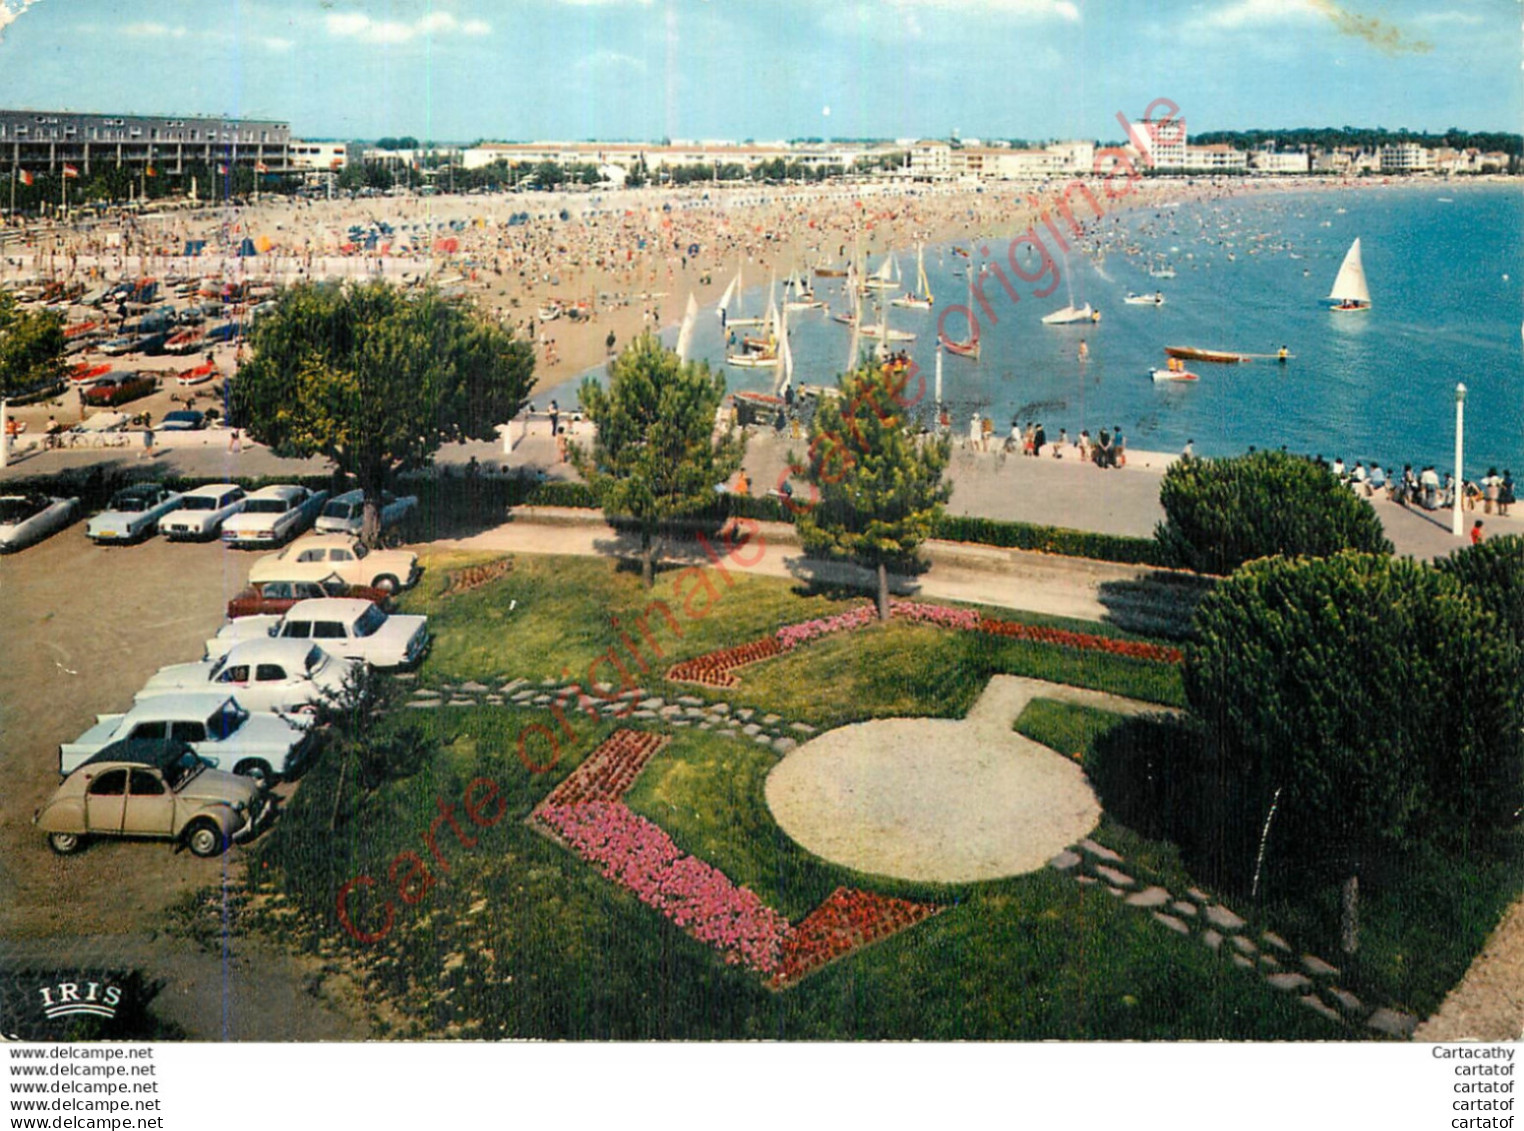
<point x="463" y="70"/>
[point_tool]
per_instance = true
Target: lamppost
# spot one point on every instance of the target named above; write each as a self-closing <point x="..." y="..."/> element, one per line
<point x="1460" y="435"/>
<point x="5" y="427"/>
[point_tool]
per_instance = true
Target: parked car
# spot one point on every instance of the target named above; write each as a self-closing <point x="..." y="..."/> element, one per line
<point x="133" y="513"/>
<point x="160" y="789"/>
<point x="275" y="597"/>
<point x="345" y="514"/>
<point x="118" y="388"/>
<point x="25" y="519"/>
<point x="268" y="674"/>
<point x="183" y="420"/>
<point x="212" y="723"/>
<point x="273" y="515"/>
<point x="346" y="556"/>
<point x="202" y="512"/>
<point x="343" y="626"/>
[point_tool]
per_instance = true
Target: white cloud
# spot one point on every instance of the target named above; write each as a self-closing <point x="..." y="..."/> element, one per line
<point x="605" y="61"/>
<point x="1246" y="13"/>
<point x="154" y="31"/>
<point x="11" y="11"/>
<point x="1033" y="9"/>
<point x="357" y="25"/>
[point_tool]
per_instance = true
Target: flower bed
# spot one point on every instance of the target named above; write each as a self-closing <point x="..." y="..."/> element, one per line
<point x="608" y="772"/>
<point x="474" y="577"/>
<point x="846" y="920"/>
<point x="699" y="898"/>
<point x="1136" y="649"/>
<point x="713" y="669"/>
<point x="717" y="669"/>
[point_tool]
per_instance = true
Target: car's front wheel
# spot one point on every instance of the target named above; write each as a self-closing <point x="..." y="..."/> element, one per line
<point x="386" y="583"/>
<point x="255" y="768"/>
<point x="204" y="838"/>
<point x="65" y="844"/>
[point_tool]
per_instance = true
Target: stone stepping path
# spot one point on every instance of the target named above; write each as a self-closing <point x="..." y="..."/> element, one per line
<point x="778" y="734"/>
<point x="1194" y="914"/>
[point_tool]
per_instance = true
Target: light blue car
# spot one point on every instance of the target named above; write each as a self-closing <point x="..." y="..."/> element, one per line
<point x="133" y="513"/>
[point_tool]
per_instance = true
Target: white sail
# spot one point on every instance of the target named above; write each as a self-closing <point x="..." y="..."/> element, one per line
<point x="685" y="335"/>
<point x="785" y="358"/>
<point x="923" y="286"/>
<point x="857" y="320"/>
<point x="729" y="295"/>
<point x="885" y="272"/>
<point x="1350" y="285"/>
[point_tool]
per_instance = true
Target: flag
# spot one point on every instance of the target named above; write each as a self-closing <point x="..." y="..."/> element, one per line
<point x="150" y="171"/>
<point x="26" y="178"/>
<point x="222" y="170"/>
<point x="261" y="167"/>
<point x="70" y="171"/>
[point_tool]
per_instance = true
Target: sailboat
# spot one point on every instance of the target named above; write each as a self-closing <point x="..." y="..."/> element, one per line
<point x="685" y="334"/>
<point x="803" y="294"/>
<point x="922" y="298"/>
<point x="1068" y="315"/>
<point x="886" y="278"/>
<point x="760" y="352"/>
<point x="733" y="294"/>
<point x="1349" y="288"/>
<point x="970" y="347"/>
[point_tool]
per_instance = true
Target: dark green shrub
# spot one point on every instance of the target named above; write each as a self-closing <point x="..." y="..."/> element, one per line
<point x="1366" y="698"/>
<point x="1492" y="574"/>
<point x="1049" y="540"/>
<point x="1220" y="513"/>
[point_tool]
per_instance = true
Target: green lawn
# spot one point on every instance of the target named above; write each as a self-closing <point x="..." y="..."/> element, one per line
<point x="519" y="938"/>
<point x="509" y="934"/>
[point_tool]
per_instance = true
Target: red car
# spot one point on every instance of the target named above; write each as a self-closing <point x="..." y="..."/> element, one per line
<point x="275" y="597"/>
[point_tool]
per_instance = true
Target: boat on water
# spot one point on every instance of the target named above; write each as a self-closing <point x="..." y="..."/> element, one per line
<point x="1155" y="299"/>
<point x="921" y="298"/>
<point x="1350" y="292"/>
<point x="1192" y="353"/>
<point x="1174" y="372"/>
<point x="1162" y="273"/>
<point x="1071" y="314"/>
<point x="886" y="278"/>
<point x="889" y="334"/>
<point x="830" y="273"/>
<point x="758" y="359"/>
<point x="968" y="348"/>
<point x="733" y="295"/>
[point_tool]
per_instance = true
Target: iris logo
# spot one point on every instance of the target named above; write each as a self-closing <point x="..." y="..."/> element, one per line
<point x="65" y="999"/>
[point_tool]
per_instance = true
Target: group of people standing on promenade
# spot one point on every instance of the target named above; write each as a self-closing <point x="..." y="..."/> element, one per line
<point x="1106" y="449"/>
<point x="1425" y="487"/>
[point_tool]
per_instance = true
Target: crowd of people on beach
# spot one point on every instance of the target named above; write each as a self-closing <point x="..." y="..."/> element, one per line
<point x="1425" y="487"/>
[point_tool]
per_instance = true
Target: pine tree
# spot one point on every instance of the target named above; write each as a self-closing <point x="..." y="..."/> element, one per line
<point x="657" y="455"/>
<point x="876" y="483"/>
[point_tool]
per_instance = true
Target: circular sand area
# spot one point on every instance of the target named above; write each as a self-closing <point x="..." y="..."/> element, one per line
<point x="945" y="800"/>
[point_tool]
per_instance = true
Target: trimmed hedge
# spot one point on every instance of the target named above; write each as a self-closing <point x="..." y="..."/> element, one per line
<point x="1050" y="540"/>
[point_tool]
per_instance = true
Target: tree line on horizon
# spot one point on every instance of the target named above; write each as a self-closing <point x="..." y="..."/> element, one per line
<point x="1363" y="137"/>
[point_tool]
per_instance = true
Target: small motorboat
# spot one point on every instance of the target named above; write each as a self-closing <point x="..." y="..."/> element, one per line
<point x="1220" y="357"/>
<point x="1173" y="374"/>
<point x="1069" y="315"/>
<point x="1155" y="299"/>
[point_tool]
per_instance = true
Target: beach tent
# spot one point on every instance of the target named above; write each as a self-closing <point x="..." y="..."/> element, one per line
<point x="246" y="248"/>
<point x="263" y="244"/>
<point x="448" y="246"/>
<point x="194" y="247"/>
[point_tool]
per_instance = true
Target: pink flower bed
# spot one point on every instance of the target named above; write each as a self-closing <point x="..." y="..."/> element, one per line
<point x="964" y="619"/>
<point x="698" y="897"/>
<point x="792" y="635"/>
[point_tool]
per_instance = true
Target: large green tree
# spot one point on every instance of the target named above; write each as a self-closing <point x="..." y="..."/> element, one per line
<point x="31" y="348"/>
<point x="876" y="483"/>
<point x="1356" y="705"/>
<point x="1220" y="513"/>
<point x="377" y="379"/>
<point x="1492" y="572"/>
<point x="658" y="454"/>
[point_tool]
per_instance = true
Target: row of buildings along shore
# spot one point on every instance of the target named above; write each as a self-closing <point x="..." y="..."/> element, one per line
<point x="46" y="142"/>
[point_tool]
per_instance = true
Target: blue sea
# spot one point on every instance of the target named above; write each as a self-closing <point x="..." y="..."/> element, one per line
<point x="1445" y="265"/>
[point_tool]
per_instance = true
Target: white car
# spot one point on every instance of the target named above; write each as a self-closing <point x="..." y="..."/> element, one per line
<point x="273" y="515"/>
<point x="341" y="554"/>
<point x="133" y="513"/>
<point x="202" y="512"/>
<point x="345" y="514"/>
<point x="346" y="627"/>
<point x="213" y="724"/>
<point x="25" y="519"/>
<point x="273" y="675"/>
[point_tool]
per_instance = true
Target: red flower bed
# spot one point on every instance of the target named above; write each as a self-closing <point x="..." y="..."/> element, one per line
<point x="713" y="668"/>
<point x="608" y="772"/>
<point x="847" y="919"/>
<point x="1136" y="649"/>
